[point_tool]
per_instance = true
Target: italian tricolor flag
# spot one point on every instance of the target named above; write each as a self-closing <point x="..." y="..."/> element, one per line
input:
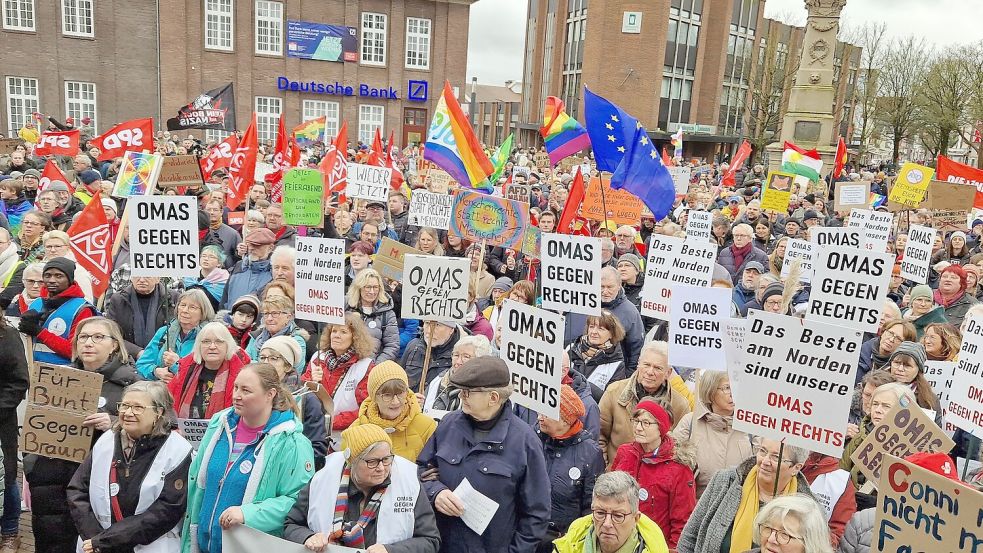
<point x="807" y="163"/>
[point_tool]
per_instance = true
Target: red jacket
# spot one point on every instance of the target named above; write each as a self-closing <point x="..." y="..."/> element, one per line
<point x="330" y="381"/>
<point x="177" y="384"/>
<point x="668" y="487"/>
<point x="818" y="464"/>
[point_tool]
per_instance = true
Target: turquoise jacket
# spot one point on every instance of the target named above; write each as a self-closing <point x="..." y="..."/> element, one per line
<point x="153" y="355"/>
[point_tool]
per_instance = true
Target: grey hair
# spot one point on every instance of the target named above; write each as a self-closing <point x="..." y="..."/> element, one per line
<point x="479" y="342"/>
<point x="812" y="523"/>
<point x="897" y="389"/>
<point x="255" y="215"/>
<point x="197" y="295"/>
<point x="607" y="243"/>
<point x="33" y="268"/>
<point x="162" y="401"/>
<point x="217" y="330"/>
<point x="617" y="485"/>
<point x="610" y="272"/>
<point x="281" y="251"/>
<point x="628" y="227"/>
<point x="708" y="384"/>
<point x="889" y="305"/>
<point x="504" y="393"/>
<point x="661" y="348"/>
<point x="796" y="455"/>
<point x="365" y="452"/>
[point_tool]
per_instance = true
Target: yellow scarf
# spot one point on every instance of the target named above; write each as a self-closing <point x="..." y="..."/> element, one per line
<point x="369" y="413"/>
<point x="741" y="535"/>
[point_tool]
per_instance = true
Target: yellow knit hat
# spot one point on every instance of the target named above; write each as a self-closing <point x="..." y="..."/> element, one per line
<point x="384" y="372"/>
<point x="356" y="439"/>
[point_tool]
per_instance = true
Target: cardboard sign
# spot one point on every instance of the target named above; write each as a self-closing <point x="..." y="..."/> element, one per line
<point x="320" y="279"/>
<point x="389" y="259"/>
<point x="680" y="179"/>
<point x="695" y="330"/>
<point x="911" y="184"/>
<point x="905" y="430"/>
<point x="777" y="191"/>
<point x="435" y="288"/>
<point x="531" y="242"/>
<point x="948" y="220"/>
<point x="571" y="274"/>
<point x="541" y="159"/>
<point x="849" y="195"/>
<point x="917" y="253"/>
<point x="428" y="209"/>
<point x="58" y="400"/>
<point x="303" y="191"/>
<point x="965" y="396"/>
<point x="624" y="208"/>
<point x="949" y="195"/>
<point x="438" y="181"/>
<point x="798" y="380"/>
<point x="802" y="251"/>
<point x="698" y="225"/>
<point x="532" y="347"/>
<point x="180" y="171"/>
<point x="495" y="221"/>
<point x="835" y="236"/>
<point x="919" y="510"/>
<point x="850" y="287"/>
<point x="8" y="145"/>
<point x="672" y="261"/>
<point x="164" y="236"/>
<point x="518" y="192"/>
<point x="368" y="182"/>
<point x="138" y="173"/>
<point x="65" y="388"/>
<point x="522" y="173"/>
<point x="939" y="376"/>
<point x="193" y="430"/>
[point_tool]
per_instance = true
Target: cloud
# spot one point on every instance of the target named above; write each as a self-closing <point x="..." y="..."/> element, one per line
<point x="497" y="41"/>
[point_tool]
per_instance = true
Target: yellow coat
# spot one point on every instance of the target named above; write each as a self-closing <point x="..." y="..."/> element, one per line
<point x="409" y="437"/>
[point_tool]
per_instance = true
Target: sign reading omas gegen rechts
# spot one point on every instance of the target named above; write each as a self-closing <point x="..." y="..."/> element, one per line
<point x="163" y="236"/>
<point x="571" y="273"/>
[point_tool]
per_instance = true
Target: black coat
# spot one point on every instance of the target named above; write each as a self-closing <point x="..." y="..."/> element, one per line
<point x="120" y="309"/>
<point x="13" y="368"/>
<point x="440" y="359"/>
<point x="587" y="368"/>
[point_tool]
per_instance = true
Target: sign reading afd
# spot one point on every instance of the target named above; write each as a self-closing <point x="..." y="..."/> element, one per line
<point x="415" y="90"/>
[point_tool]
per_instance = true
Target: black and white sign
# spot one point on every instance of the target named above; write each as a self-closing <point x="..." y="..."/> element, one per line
<point x="696" y="334"/>
<point x="368" y="182"/>
<point x="429" y="209"/>
<point x="799" y="250"/>
<point x="164" y="236"/>
<point x="698" y="225"/>
<point x="435" y="288"/>
<point x="917" y="253"/>
<point x="532" y="346"/>
<point x="571" y="273"/>
<point x="849" y="287"/>
<point x="671" y="262"/>
<point x="835" y="236"/>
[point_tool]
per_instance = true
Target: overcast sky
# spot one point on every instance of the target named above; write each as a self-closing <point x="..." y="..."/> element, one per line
<point x="497" y="36"/>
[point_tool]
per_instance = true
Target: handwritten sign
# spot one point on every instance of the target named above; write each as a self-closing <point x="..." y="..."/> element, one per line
<point x="673" y="261"/>
<point x="624" y="208"/>
<point x="59" y="399"/>
<point x="303" y="190"/>
<point x="496" y="221"/>
<point x="389" y="259"/>
<point x="438" y="181"/>
<point x="429" y="209"/>
<point x="435" y="288"/>
<point x="777" y="192"/>
<point x="180" y="171"/>
<point x="368" y="182"/>
<point x="8" y="145"/>
<point x="65" y="388"/>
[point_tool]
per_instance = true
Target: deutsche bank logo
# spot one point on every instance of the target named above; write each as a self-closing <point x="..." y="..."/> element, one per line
<point x="417" y="91"/>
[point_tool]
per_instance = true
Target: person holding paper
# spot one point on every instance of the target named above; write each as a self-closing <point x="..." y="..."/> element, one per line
<point x="392" y="406"/>
<point x="484" y="451"/>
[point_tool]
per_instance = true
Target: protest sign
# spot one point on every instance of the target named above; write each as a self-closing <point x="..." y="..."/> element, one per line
<point x="777" y="192"/>
<point x="243" y="539"/>
<point x="389" y="259"/>
<point x="58" y="400"/>
<point x="303" y="190"/>
<point x="849" y="287"/>
<point x="180" y="171"/>
<point x="698" y="225"/>
<point x="802" y="251"/>
<point x="939" y="376"/>
<point x="858" y="218"/>
<point x="949" y="195"/>
<point x="624" y="208"/>
<point x="532" y="347"/>
<point x="518" y="192"/>
<point x="164" y="236"/>
<point x="496" y="221"/>
<point x="835" y="236"/>
<point x="435" y="288"/>
<point x="193" y="430"/>
<point x="966" y="394"/>
<point x="955" y="172"/>
<point x="672" y="261"/>
<point x="520" y="174"/>
<point x="429" y="209"/>
<point x="735" y="332"/>
<point x="680" y="179"/>
<point x="695" y="330"/>
<point x="368" y="182"/>
<point x="797" y="381"/>
<point x="137" y="175"/>
<point x="320" y="279"/>
<point x="948" y="220"/>
<point x="8" y="145"/>
<point x="877" y="230"/>
<point x="531" y="242"/>
<point x="849" y="195"/>
<point x="918" y="510"/>
<point x="65" y="388"/>
<point x="910" y="185"/>
<point x="541" y="159"/>
<point x="438" y="181"/>
<point x="917" y="253"/>
<point x="571" y="274"/>
<point x="904" y="430"/>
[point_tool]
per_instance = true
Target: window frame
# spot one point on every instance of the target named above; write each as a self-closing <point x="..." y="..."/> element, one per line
<point x="219" y="14"/>
<point x="78" y="4"/>
<point x="418" y="36"/>
<point x="275" y="27"/>
<point x="78" y="112"/>
<point x="20" y="4"/>
<point x="383" y="33"/>
<point x="12" y="125"/>
<point x="366" y="130"/>
<point x="266" y="120"/>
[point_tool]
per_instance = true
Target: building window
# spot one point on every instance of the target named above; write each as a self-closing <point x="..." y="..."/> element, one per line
<point x="679" y="65"/>
<point x="215" y="136"/>
<point x="269" y="28"/>
<point x="312" y="109"/>
<point x="218" y="24"/>
<point x="370" y="118"/>
<point x="267" y="117"/>
<point x="80" y="102"/>
<point x="417" y="43"/>
<point x="373" y="38"/>
<point x="76" y="17"/>
<point x="22" y="101"/>
<point x="18" y="15"/>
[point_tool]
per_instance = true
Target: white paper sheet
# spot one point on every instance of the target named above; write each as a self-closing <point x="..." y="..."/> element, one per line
<point x="478" y="507"/>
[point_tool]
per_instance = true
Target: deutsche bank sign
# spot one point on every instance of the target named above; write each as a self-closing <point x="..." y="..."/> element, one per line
<point x="416" y="91"/>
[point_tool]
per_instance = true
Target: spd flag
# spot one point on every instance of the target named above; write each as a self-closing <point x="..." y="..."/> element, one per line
<point x="135" y="136"/>
<point x="219" y="157"/>
<point x="58" y="143"/>
<point x="52" y="173"/>
<point x="242" y="169"/>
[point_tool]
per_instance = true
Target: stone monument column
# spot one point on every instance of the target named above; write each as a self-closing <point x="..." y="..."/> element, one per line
<point x="809" y="120"/>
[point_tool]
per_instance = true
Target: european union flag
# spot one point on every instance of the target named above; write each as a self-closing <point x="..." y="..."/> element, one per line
<point x="642" y="173"/>
<point x="609" y="128"/>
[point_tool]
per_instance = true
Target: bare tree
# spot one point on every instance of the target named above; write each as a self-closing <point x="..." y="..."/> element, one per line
<point x="903" y="72"/>
<point x="942" y="103"/>
<point x="969" y="59"/>
<point x="767" y="96"/>
<point x="869" y="37"/>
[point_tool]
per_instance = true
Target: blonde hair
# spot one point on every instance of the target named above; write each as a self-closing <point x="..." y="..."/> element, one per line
<point x="354" y="297"/>
<point x="57" y="235"/>
<point x="269" y="379"/>
<point x="114" y="333"/>
<point x="708" y="384"/>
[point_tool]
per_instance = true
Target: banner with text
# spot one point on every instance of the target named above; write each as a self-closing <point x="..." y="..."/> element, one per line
<point x="571" y="273"/>
<point x="802" y="251"/>
<point x="939" y="376"/>
<point x="698" y="225"/>
<point x="303" y="191"/>
<point x="368" y="182"/>
<point x="496" y="221"/>
<point x="917" y="253"/>
<point x="966" y="394"/>
<point x="532" y="346"/>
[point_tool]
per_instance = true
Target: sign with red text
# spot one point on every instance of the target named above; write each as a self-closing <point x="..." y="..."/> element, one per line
<point x="966" y="394"/>
<point x="849" y="287"/>
<point x="672" y="261"/>
<point x="320" y="279"/>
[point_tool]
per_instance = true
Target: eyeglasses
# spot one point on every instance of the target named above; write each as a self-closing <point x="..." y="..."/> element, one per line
<point x="773" y="303"/>
<point x="644" y="424"/>
<point x="601" y="516"/>
<point x="95" y="338"/>
<point x="781" y="536"/>
<point x="30" y="224"/>
<point x="388" y="398"/>
<point x="212" y="342"/>
<point x="135" y="409"/>
<point x="466" y="393"/>
<point x="270" y="358"/>
<point x="275" y="313"/>
<point x="32" y="282"/>
<point x="893" y="336"/>
<point x="189" y="306"/>
<point x="374" y="463"/>
<point x="763" y="453"/>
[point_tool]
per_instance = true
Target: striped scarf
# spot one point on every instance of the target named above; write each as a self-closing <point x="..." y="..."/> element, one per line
<point x="353" y="537"/>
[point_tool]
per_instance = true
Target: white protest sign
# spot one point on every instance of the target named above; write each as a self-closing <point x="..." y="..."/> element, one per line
<point x="835" y="236"/>
<point x="571" y="273"/>
<point x="797" y="382"/>
<point x="698" y="225"/>
<point x="435" y="288"/>
<point x="849" y="287"/>
<point x="735" y="332"/>
<point x="243" y="539"/>
<point x="532" y="347"/>
<point x="877" y="230"/>
<point x="193" y="430"/>
<point x="966" y="393"/>
<point x="429" y="209"/>
<point x="804" y="252"/>
<point x="320" y="279"/>
<point x="939" y="376"/>
<point x="695" y="330"/>
<point x="368" y="182"/>
<point x="680" y="179"/>
<point x="163" y="236"/>
<point x="858" y="218"/>
<point x="673" y="261"/>
<point x="917" y="253"/>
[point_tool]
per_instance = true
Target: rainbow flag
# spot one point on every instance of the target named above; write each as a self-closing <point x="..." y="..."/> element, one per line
<point x="876" y="200"/>
<point x="677" y="144"/>
<point x="563" y="134"/>
<point x="310" y="131"/>
<point x="452" y="145"/>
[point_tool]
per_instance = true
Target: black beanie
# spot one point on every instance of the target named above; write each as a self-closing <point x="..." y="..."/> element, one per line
<point x="62" y="264"/>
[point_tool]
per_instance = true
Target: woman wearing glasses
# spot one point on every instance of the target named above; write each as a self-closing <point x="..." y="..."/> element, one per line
<point x="367" y="296"/>
<point x="31" y="283"/>
<point x="33" y="226"/>
<point x="252" y="462"/>
<point x="392" y="406"/>
<point x="204" y="380"/>
<point x="365" y="497"/>
<point x="146" y="463"/>
<point x="97" y="346"/>
<point x="792" y="524"/>
<point x="875" y="353"/>
<point x="277" y="319"/>
<point x="176" y="339"/>
<point x="724" y="518"/>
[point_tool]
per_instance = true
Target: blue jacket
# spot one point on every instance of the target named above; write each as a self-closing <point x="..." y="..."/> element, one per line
<point x="507" y="466"/>
<point x="248" y="277"/>
<point x="592" y="420"/>
<point x="408" y="329"/>
<point x="573" y="465"/>
<point x="153" y="355"/>
<point x="742" y="297"/>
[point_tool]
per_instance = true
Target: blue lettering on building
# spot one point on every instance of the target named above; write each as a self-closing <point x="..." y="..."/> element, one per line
<point x="416" y="90"/>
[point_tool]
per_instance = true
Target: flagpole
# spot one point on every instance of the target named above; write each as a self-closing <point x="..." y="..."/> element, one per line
<point x="604" y="201"/>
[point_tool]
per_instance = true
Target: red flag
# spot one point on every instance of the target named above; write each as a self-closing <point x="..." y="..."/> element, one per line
<point x="242" y="170"/>
<point x="134" y="136"/>
<point x="294" y="157"/>
<point x="397" y="177"/>
<point x="840" y="161"/>
<point x="92" y="244"/>
<point x="220" y="156"/>
<point x="280" y="166"/>
<point x="667" y="159"/>
<point x="377" y="154"/>
<point x="52" y="173"/>
<point x="59" y="143"/>
<point x="574" y="199"/>
<point x="334" y="165"/>
<point x="813" y="153"/>
<point x="736" y="163"/>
